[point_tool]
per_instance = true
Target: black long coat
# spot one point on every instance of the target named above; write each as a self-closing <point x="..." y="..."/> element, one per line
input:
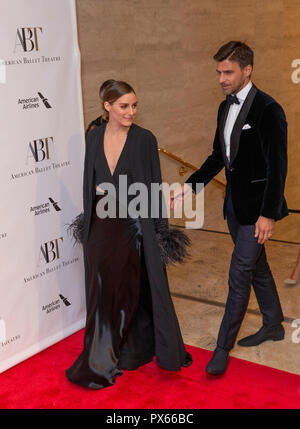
<point x="145" y="168"/>
<point x="257" y="169"/>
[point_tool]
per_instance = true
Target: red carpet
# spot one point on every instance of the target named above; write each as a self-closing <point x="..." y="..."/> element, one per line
<point x="40" y="383"/>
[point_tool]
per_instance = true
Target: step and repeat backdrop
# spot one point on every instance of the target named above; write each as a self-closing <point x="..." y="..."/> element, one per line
<point x="41" y="165"/>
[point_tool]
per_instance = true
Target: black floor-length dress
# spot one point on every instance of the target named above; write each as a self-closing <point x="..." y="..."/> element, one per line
<point x="118" y="291"/>
<point x="130" y="313"/>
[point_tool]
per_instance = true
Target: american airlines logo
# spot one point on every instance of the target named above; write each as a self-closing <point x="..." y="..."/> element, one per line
<point x="34" y="102"/>
<point x="65" y="300"/>
<point x="44" y="100"/>
<point x="55" y="205"/>
<point x="55" y="304"/>
<point x="45" y="207"/>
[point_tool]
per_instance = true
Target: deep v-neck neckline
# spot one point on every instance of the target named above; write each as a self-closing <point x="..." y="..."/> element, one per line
<point x="120" y="156"/>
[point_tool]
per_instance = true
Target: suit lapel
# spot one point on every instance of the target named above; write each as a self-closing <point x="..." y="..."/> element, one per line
<point x="239" y="123"/>
<point x="222" y="123"/>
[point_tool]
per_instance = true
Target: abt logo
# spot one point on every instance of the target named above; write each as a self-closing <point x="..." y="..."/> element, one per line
<point x="39" y="149"/>
<point x="50" y="251"/>
<point x="27" y="39"/>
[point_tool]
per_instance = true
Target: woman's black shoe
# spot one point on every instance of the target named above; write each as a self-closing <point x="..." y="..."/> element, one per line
<point x="188" y="360"/>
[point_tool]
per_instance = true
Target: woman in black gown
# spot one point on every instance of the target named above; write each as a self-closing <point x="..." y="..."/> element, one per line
<point x="130" y="314"/>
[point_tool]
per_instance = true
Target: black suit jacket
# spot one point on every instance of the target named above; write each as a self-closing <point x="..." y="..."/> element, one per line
<point x="257" y="169"/>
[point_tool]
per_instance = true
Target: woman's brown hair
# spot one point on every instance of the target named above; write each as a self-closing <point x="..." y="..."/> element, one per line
<point x="111" y="90"/>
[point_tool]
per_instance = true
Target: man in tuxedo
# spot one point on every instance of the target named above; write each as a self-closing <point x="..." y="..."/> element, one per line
<point x="251" y="143"/>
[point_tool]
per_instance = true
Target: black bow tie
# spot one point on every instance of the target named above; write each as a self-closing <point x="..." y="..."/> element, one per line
<point x="231" y="99"/>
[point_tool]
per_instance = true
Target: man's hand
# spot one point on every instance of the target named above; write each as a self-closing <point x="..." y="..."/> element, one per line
<point x="179" y="195"/>
<point x="264" y="228"/>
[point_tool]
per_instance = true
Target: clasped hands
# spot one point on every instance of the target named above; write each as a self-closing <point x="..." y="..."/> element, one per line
<point x="264" y="227"/>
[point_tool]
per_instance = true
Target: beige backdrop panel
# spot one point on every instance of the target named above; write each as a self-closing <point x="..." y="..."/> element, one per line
<point x="165" y="48"/>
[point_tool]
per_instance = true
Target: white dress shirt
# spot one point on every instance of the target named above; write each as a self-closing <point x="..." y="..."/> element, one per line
<point x="233" y="112"/>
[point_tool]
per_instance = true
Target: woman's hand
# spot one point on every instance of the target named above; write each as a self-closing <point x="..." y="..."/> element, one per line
<point x="179" y="195"/>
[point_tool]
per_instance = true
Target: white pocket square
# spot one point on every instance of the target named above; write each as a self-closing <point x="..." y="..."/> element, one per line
<point x="246" y="127"/>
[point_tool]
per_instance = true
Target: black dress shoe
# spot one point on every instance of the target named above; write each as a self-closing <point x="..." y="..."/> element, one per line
<point x="218" y="363"/>
<point x="188" y="360"/>
<point x="276" y="334"/>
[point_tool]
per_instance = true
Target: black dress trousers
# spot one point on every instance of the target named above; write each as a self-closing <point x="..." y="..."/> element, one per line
<point x="248" y="266"/>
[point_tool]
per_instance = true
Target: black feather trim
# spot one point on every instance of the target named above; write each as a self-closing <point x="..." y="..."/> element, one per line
<point x="76" y="228"/>
<point x="173" y="245"/>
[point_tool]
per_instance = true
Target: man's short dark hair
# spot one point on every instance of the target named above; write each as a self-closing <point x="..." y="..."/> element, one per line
<point x="235" y="51"/>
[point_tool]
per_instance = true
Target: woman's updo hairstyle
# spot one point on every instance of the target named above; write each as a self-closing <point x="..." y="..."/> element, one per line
<point x="112" y="89"/>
